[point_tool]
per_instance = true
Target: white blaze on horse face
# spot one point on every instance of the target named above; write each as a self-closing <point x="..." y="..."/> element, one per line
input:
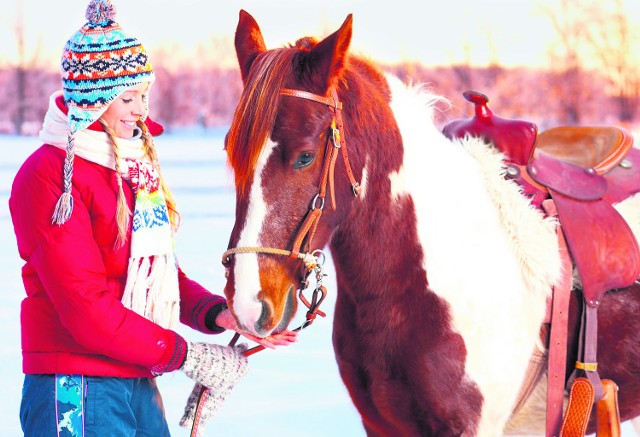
<point x="246" y="305"/>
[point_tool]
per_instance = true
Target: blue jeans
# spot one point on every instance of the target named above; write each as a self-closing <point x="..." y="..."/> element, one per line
<point x="122" y="407"/>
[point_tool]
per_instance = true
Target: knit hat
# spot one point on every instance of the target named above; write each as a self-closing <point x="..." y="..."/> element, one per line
<point x="99" y="62"/>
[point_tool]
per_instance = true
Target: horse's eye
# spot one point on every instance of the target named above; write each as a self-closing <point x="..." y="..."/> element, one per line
<point x="304" y="159"/>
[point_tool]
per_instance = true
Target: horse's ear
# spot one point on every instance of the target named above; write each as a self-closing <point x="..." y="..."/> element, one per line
<point x="328" y="56"/>
<point x="249" y="42"/>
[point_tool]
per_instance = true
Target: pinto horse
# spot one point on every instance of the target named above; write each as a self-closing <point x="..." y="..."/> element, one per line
<point x="443" y="267"/>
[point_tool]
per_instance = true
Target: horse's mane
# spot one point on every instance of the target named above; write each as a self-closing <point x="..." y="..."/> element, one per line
<point x="256" y="112"/>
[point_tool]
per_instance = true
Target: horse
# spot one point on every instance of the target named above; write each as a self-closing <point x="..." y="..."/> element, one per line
<point x="443" y="267"/>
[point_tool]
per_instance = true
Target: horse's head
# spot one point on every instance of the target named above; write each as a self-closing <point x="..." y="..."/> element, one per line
<point x="282" y="149"/>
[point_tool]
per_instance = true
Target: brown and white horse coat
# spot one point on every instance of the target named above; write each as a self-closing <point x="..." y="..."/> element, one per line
<point x="443" y="267"/>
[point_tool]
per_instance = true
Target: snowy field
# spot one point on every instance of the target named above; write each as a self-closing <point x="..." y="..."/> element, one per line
<point x="294" y="391"/>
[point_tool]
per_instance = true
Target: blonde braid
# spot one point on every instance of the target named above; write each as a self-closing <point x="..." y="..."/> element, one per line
<point x="150" y="150"/>
<point x="123" y="212"/>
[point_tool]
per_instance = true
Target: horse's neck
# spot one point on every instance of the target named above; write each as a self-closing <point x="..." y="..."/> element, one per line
<point x="378" y="244"/>
<point x="375" y="245"/>
<point x="428" y="206"/>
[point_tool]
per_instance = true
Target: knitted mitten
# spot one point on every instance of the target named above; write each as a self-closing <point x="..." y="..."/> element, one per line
<point x="208" y="406"/>
<point x="214" y="368"/>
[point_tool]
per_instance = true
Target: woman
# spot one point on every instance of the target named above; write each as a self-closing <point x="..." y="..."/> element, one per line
<point x="104" y="292"/>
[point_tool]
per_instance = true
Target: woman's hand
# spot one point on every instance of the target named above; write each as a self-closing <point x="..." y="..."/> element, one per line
<point x="226" y="320"/>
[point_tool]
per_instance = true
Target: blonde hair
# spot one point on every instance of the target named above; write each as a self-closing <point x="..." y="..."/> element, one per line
<point x="123" y="212"/>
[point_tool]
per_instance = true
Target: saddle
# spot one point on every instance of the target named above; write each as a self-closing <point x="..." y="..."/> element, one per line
<point x="577" y="174"/>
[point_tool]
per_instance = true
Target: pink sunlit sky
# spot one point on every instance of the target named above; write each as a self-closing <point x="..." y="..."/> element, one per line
<point x="514" y="32"/>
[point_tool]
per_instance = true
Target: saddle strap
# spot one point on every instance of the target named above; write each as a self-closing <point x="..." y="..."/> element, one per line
<point x="587" y="363"/>
<point x="559" y="318"/>
<point x="608" y="412"/>
<point x="576" y="417"/>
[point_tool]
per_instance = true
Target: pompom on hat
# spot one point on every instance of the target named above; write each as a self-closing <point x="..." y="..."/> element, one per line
<point x="99" y="62"/>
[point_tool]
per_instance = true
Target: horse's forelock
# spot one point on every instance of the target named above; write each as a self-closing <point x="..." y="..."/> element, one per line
<point x="256" y="112"/>
<point x="306" y="43"/>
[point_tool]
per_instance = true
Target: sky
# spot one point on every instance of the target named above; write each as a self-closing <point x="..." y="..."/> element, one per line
<point x="516" y="32"/>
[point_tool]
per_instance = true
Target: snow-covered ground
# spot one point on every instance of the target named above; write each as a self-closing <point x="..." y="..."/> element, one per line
<point x="294" y="391"/>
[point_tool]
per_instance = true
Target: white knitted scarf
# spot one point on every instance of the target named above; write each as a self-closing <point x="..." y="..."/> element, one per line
<point x="152" y="288"/>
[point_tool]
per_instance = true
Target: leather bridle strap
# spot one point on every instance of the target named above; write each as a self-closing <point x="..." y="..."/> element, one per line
<point x="308" y="228"/>
<point x="336" y="107"/>
<point x="329" y="101"/>
<point x="336" y="141"/>
<point x="355" y="186"/>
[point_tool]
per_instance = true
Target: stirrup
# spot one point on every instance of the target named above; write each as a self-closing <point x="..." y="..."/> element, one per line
<point x="576" y="416"/>
<point x="607" y="410"/>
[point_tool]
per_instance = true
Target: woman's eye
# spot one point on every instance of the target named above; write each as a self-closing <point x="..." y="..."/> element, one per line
<point x="127" y="100"/>
<point x="303" y="160"/>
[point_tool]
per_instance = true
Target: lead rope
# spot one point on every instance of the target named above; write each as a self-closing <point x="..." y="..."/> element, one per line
<point x="318" y="296"/>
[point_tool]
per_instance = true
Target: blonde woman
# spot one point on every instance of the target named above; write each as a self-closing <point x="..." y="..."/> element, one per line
<point x="94" y="221"/>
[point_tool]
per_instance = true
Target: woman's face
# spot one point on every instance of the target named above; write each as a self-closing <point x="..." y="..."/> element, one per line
<point x="123" y="113"/>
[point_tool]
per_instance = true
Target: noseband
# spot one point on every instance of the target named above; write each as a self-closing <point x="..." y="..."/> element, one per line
<point x="308" y="227"/>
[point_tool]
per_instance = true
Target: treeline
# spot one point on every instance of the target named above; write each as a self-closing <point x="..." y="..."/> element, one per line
<point x="199" y="97"/>
<point x="207" y="97"/>
<point x="593" y="77"/>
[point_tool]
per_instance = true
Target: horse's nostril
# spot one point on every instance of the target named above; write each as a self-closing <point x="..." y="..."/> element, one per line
<point x="289" y="309"/>
<point x="265" y="316"/>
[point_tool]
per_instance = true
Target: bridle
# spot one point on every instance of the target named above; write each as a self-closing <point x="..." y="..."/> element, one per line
<point x="306" y="231"/>
<point x="313" y="261"/>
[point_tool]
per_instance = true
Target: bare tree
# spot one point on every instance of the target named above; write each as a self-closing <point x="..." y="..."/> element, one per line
<point x="19" y="112"/>
<point x="463" y="71"/>
<point x="614" y="42"/>
<point x="567" y="66"/>
<point x="29" y="84"/>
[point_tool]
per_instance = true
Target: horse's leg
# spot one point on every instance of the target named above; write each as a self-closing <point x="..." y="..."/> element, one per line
<point x="350" y="365"/>
<point x="356" y="383"/>
<point x="404" y="380"/>
<point x="385" y="405"/>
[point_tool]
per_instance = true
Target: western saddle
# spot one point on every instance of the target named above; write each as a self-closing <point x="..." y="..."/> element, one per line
<point x="575" y="174"/>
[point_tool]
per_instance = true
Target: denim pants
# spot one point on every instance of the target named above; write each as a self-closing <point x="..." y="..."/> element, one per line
<point x="118" y="407"/>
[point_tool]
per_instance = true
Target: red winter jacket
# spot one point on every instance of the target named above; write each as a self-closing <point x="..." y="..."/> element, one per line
<point x="72" y="319"/>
